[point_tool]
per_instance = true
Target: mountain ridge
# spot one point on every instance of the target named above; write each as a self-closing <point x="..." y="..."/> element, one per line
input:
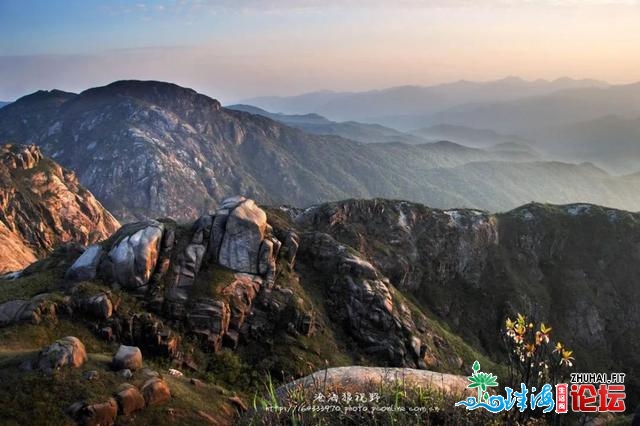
<point x="150" y="149"/>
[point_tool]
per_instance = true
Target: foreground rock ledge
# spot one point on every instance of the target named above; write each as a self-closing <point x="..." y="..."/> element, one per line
<point x="363" y="379"/>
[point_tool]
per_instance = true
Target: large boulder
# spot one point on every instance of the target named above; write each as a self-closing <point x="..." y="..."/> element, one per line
<point x="85" y="267"/>
<point x="68" y="351"/>
<point x="156" y="391"/>
<point x="357" y="379"/>
<point x="132" y="258"/>
<point x="245" y="230"/>
<point x="129" y="357"/>
<point x="129" y="399"/>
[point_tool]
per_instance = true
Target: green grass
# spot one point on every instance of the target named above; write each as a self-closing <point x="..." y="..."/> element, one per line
<point x="27" y="287"/>
<point x="210" y="280"/>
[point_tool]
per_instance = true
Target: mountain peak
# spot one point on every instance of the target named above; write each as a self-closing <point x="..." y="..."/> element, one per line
<point x="158" y="92"/>
<point x="45" y="96"/>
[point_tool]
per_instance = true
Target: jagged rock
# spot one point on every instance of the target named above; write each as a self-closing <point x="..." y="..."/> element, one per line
<point x="188" y="264"/>
<point x="33" y="311"/>
<point x="129" y="399"/>
<point x="361" y="300"/>
<point x="131" y="260"/>
<point x="42" y="206"/>
<point x="244" y="231"/>
<point x="209" y="319"/>
<point x="129" y="357"/>
<point x="147" y="332"/>
<point x="241" y="293"/>
<point x="85" y="267"/>
<point x="100" y="414"/>
<point x="68" y="351"/>
<point x="290" y="248"/>
<point x="276" y="309"/>
<point x="269" y="250"/>
<point x="156" y="391"/>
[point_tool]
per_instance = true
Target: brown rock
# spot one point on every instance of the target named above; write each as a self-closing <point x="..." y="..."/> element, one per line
<point x="101" y="414"/>
<point x="42" y="206"/>
<point x="129" y="400"/>
<point x="156" y="391"/>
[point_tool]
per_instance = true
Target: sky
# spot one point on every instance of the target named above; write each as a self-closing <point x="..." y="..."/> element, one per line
<point x="235" y="49"/>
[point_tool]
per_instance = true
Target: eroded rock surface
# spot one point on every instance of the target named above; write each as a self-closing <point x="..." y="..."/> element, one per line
<point x="41" y="206"/>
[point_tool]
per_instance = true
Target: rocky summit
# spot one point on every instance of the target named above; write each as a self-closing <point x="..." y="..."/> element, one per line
<point x="41" y="206"/>
<point x="288" y="291"/>
<point x="243" y="289"/>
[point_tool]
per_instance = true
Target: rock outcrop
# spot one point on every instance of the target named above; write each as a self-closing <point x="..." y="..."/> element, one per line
<point x="361" y="299"/>
<point x="41" y="206"/>
<point x="149" y="258"/>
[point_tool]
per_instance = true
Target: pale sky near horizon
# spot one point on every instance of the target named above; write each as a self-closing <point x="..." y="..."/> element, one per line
<point x="233" y="49"/>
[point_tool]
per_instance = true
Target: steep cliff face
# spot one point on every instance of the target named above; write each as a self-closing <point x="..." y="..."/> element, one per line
<point x="575" y="266"/>
<point x="42" y="206"/>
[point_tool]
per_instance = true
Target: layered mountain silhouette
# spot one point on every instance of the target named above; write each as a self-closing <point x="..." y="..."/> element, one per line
<point x="375" y="105"/>
<point x="572" y="120"/>
<point x="319" y="125"/>
<point x="149" y="149"/>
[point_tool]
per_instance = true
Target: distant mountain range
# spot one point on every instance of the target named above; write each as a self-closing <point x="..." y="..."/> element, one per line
<point x="148" y="149"/>
<point x="381" y="106"/>
<point x="572" y="120"/>
<point x="469" y="136"/>
<point x="4" y="103"/>
<point x="319" y="125"/>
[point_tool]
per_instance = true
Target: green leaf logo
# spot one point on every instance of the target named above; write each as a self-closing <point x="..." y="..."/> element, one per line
<point x="481" y="381"/>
